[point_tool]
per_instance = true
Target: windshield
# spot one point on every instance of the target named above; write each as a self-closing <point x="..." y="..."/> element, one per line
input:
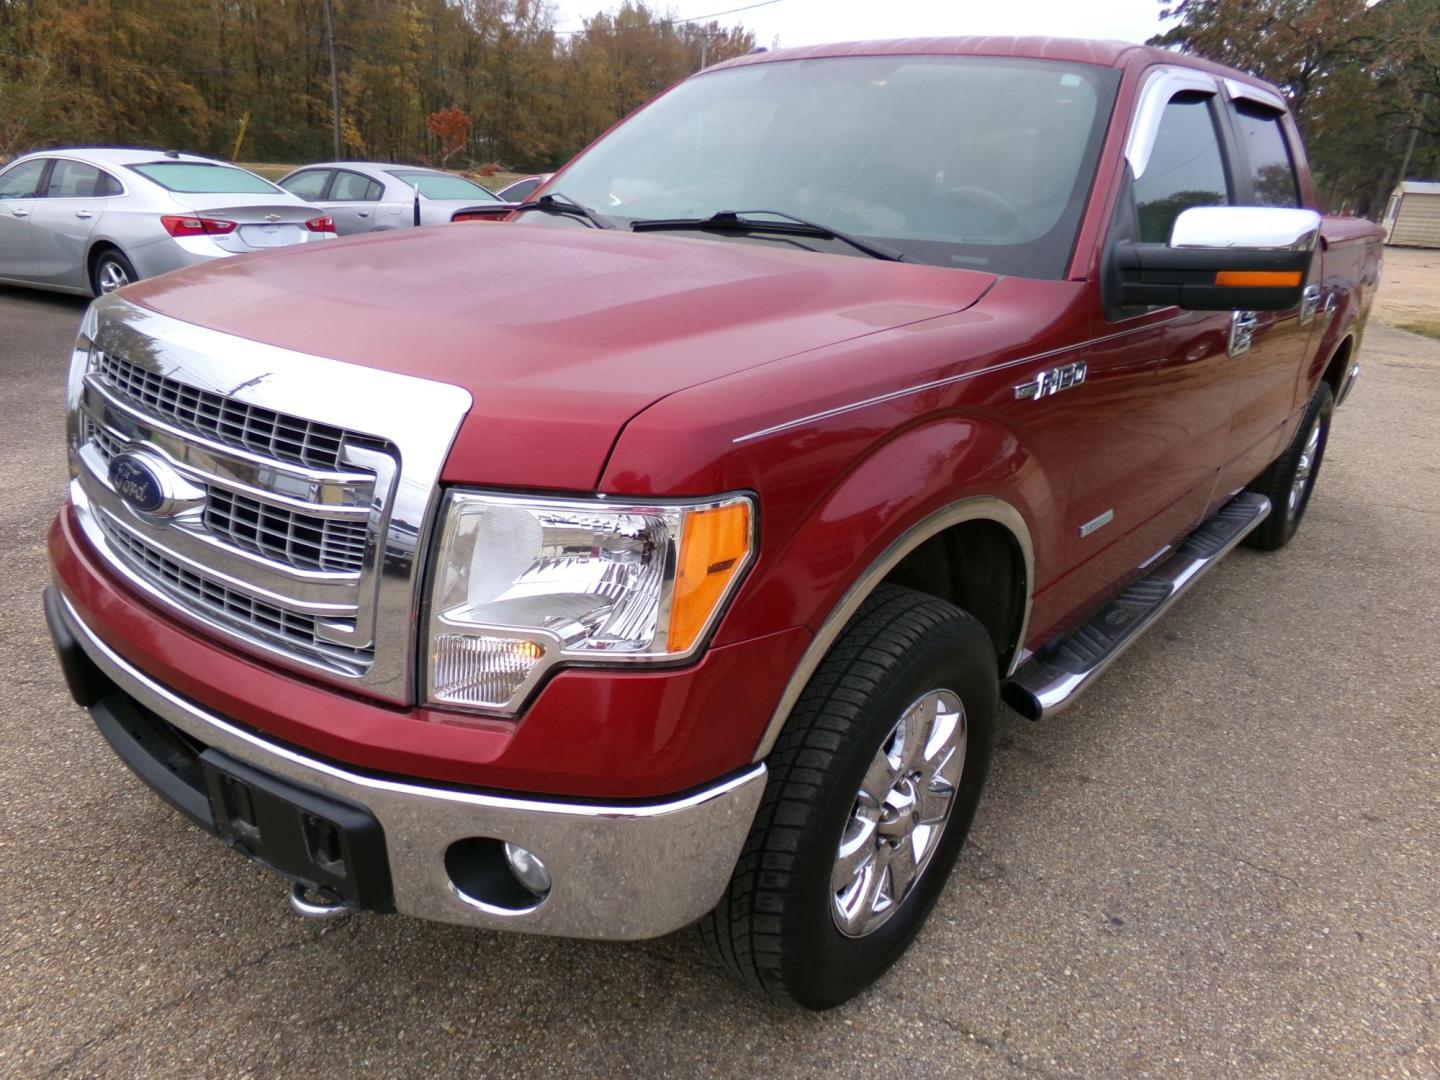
<point x="975" y="162"/>
<point x="444" y="186"/>
<point x="200" y="178"/>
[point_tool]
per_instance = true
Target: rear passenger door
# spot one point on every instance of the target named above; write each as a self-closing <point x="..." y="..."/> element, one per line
<point x="1267" y="371"/>
<point x="352" y="201"/>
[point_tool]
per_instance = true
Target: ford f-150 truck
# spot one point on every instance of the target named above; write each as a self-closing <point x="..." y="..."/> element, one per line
<point x="677" y="574"/>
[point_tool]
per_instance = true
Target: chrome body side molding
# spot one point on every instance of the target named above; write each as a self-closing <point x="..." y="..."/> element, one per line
<point x="1052" y="679"/>
<point x="982" y="508"/>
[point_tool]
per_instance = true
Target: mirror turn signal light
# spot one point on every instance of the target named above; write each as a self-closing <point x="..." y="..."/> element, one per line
<point x="1250" y="279"/>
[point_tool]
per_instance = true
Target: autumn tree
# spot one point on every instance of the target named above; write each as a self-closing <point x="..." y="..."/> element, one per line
<point x="183" y="73"/>
<point x="451" y="128"/>
<point x="1356" y="73"/>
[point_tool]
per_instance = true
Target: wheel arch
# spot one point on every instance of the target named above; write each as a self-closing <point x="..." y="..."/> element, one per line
<point x="1341" y="357"/>
<point x="98" y="246"/>
<point x="974" y="516"/>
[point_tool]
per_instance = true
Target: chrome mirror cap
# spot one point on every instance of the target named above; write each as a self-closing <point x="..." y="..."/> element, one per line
<point x="1255" y="227"/>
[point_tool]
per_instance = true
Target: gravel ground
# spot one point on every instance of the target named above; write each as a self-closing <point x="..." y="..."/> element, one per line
<point x="1224" y="861"/>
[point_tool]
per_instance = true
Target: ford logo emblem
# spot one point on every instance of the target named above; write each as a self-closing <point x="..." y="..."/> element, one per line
<point x="136" y="481"/>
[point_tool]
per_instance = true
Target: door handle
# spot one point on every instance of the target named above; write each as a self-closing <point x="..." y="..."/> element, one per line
<point x="20" y="213"/>
<point x="1242" y="332"/>
<point x="1309" y="302"/>
<point x="363" y="213"/>
<point x="83" y="214"/>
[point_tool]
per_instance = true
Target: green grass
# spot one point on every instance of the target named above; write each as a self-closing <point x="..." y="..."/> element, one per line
<point x="1428" y="327"/>
<point x="272" y="171"/>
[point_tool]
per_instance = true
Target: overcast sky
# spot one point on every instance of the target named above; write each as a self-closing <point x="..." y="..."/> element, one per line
<point x="806" y="22"/>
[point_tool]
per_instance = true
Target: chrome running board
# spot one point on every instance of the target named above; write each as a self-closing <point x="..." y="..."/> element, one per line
<point x="1051" y="680"/>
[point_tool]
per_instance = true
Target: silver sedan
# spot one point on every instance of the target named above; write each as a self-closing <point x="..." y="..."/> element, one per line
<point x="367" y="196"/>
<point x="89" y="221"/>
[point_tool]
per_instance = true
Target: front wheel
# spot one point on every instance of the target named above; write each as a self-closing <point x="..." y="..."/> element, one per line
<point x="1290" y="480"/>
<point x="873" y="786"/>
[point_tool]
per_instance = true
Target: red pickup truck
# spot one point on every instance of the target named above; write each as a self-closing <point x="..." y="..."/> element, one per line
<point x="664" y="555"/>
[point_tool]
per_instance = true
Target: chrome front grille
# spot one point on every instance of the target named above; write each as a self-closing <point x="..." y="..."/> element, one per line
<point x="292" y="628"/>
<point x="263" y="431"/>
<point x="299" y="491"/>
<point x="314" y="543"/>
<point x="289" y="537"/>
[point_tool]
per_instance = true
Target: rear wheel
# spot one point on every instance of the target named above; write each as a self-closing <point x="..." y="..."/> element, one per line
<point x="110" y="271"/>
<point x="1290" y="480"/>
<point x="873" y="785"/>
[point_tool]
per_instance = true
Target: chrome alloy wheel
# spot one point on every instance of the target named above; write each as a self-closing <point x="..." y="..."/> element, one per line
<point x="1305" y="468"/>
<point x="900" y="813"/>
<point x="112" y="276"/>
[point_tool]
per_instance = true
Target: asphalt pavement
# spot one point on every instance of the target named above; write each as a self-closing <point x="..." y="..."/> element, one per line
<point x="1224" y="861"/>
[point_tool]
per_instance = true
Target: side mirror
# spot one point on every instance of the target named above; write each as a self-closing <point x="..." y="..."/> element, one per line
<point x="1223" y="258"/>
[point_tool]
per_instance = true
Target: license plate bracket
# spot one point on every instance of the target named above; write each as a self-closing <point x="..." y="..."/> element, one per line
<point x="331" y="846"/>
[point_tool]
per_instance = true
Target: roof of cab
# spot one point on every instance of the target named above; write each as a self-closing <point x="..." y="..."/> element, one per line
<point x="1119" y="54"/>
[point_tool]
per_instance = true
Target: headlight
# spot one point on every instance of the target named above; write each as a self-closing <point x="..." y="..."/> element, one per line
<point x="522" y="584"/>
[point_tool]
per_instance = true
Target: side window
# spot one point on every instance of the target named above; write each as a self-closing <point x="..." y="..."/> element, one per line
<point x="76" y="180"/>
<point x="1185" y="169"/>
<point x="352" y="187"/>
<point x="22" y="181"/>
<point x="308" y="184"/>
<point x="1271" y="169"/>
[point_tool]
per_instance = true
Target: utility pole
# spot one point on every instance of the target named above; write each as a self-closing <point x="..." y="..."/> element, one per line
<point x="334" y="79"/>
<point x="1414" y="132"/>
<point x="704" y="49"/>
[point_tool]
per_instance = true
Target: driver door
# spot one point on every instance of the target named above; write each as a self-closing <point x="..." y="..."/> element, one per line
<point x="20" y="189"/>
<point x="1162" y="378"/>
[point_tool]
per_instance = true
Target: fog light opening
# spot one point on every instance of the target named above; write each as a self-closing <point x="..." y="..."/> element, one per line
<point x="497" y="876"/>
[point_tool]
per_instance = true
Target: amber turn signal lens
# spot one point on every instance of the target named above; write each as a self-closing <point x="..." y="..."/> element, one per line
<point x="713" y="550"/>
<point x="1249" y="279"/>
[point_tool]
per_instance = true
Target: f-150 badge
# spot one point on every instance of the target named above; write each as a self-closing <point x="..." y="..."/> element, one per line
<point x="1052" y="381"/>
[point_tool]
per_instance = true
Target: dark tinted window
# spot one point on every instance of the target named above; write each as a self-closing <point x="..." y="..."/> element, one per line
<point x="22" y="181"/>
<point x="352" y="187"/>
<point x="1185" y="169"/>
<point x="1270" y="167"/>
<point x="308" y="184"/>
<point x="75" y="180"/>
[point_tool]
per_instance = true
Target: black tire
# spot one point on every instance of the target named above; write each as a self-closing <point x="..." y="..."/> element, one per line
<point x="1283" y="479"/>
<point x="107" y="268"/>
<point x="774" y="927"/>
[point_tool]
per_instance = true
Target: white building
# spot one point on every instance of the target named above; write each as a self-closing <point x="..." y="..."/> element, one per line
<point x="1412" y="219"/>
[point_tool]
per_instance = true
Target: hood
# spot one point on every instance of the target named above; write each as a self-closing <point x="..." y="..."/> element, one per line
<point x="560" y="334"/>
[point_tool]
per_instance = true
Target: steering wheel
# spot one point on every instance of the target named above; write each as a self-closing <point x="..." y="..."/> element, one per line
<point x="983" y="199"/>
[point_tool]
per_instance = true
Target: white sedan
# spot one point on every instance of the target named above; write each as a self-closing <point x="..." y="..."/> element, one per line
<point x="90" y="221"/>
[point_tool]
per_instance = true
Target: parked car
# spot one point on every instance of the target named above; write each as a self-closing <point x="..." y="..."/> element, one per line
<point x="868" y="384"/>
<point x="90" y="221"/>
<point x="522" y="189"/>
<point x="367" y="196"/>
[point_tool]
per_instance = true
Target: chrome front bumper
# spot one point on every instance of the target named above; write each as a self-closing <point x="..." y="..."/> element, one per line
<point x="618" y="871"/>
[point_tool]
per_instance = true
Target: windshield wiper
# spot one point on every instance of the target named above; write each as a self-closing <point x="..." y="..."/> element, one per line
<point x="744" y="221"/>
<point x="556" y="202"/>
